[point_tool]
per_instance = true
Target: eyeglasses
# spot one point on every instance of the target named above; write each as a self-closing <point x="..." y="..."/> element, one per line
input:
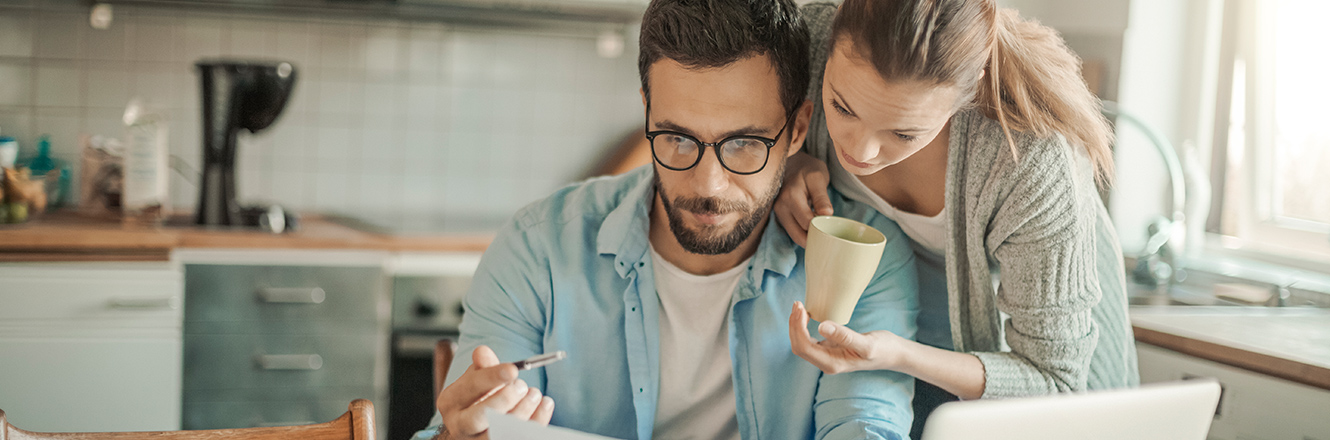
<point x="742" y="154"/>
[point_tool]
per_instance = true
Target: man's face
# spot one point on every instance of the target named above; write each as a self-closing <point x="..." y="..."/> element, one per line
<point x="710" y="209"/>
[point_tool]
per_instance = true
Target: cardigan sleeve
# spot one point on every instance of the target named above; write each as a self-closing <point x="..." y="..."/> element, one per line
<point x="1042" y="238"/>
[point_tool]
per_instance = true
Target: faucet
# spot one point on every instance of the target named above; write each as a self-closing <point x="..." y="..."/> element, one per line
<point x="1159" y="259"/>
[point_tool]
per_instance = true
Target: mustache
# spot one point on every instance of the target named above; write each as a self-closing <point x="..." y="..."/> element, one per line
<point x="708" y="205"/>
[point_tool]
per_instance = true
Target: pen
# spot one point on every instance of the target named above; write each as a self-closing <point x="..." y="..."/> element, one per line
<point x="540" y="360"/>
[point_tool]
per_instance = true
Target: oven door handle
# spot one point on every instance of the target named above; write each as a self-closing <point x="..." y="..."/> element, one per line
<point x="289" y="361"/>
<point x="293" y="295"/>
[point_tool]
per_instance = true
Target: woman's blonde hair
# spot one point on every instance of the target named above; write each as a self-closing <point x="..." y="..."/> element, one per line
<point x="1033" y="82"/>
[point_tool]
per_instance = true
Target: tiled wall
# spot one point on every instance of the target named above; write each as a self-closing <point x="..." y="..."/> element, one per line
<point x="387" y="116"/>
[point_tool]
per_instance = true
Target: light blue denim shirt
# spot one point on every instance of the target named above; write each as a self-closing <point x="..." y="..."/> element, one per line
<point x="572" y="272"/>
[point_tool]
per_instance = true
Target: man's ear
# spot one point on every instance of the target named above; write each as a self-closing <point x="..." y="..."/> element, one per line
<point x="799" y="130"/>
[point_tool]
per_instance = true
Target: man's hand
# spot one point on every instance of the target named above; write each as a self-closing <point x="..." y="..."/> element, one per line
<point x="488" y="384"/>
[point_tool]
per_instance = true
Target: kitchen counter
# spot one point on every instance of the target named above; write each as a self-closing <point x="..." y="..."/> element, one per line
<point x="1288" y="343"/>
<point x="70" y="237"/>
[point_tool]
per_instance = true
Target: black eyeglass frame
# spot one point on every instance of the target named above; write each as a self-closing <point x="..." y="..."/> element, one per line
<point x="702" y="146"/>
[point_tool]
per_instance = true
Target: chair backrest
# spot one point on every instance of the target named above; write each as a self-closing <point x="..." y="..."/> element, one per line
<point x="443" y="357"/>
<point x="356" y="424"/>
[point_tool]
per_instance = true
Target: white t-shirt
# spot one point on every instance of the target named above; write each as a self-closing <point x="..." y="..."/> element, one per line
<point x="929" y="232"/>
<point x="696" y="385"/>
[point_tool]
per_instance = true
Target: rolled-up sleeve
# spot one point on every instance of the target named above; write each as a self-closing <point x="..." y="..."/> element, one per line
<point x="875" y="404"/>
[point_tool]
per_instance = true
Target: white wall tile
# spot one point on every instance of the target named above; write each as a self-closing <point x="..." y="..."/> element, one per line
<point x="341" y="45"/>
<point x="64" y="126"/>
<point x="155" y="84"/>
<point x="59" y="84"/>
<point x="253" y="39"/>
<point x="203" y="37"/>
<point x="385" y="98"/>
<point x="424" y="51"/>
<point x="293" y="44"/>
<point x="108" y="44"/>
<point x="471" y="59"/>
<point x="106" y="122"/>
<point x="333" y="191"/>
<point x="384" y="52"/>
<point x="59" y="35"/>
<point x="15" y="33"/>
<point x="16" y="83"/>
<point x="153" y="38"/>
<point x="108" y="84"/>
<point x="17" y="123"/>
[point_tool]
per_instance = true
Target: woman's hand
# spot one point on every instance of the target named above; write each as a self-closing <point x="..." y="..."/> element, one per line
<point x="843" y="350"/>
<point x="803" y="192"/>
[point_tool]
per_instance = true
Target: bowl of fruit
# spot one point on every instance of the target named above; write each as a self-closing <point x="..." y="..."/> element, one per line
<point x="22" y="196"/>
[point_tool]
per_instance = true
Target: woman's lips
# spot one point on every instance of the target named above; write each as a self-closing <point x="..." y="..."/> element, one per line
<point x="857" y="164"/>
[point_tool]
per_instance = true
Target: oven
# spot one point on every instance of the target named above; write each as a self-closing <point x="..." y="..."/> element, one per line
<point x="427" y="292"/>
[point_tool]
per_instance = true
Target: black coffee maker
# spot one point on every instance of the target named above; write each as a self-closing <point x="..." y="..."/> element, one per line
<point x="237" y="95"/>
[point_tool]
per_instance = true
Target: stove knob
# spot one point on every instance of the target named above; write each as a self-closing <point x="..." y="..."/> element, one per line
<point x="426" y="309"/>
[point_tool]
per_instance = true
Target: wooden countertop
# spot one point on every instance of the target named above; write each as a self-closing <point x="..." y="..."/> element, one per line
<point x="70" y="237"/>
<point x="1288" y="343"/>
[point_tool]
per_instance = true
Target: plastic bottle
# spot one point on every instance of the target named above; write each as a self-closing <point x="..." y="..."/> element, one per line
<point x="146" y="172"/>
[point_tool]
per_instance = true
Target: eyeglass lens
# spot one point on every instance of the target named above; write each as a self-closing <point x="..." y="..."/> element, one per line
<point x="739" y="155"/>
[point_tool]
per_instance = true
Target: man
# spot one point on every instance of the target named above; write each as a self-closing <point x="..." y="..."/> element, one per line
<point x="670" y="287"/>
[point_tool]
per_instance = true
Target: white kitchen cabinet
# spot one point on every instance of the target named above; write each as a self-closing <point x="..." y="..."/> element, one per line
<point x="1253" y="406"/>
<point x="91" y="346"/>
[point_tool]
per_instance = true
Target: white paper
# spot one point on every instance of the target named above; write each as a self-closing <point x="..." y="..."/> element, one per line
<point x="506" y="427"/>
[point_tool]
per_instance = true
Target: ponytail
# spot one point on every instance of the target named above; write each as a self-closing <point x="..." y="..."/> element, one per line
<point x="1034" y="85"/>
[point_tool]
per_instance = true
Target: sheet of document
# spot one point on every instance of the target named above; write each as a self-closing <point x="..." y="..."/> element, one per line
<point x="506" y="427"/>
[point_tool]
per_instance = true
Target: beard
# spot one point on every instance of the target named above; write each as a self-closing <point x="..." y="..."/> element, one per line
<point x="712" y="239"/>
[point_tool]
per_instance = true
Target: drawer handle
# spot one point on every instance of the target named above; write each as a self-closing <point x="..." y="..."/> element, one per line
<point x="293" y="295"/>
<point x="143" y="303"/>
<point x="290" y="361"/>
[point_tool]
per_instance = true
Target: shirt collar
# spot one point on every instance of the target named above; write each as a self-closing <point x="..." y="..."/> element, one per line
<point x="625" y="234"/>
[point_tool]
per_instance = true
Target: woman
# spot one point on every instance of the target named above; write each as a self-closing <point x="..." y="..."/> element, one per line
<point x="973" y="129"/>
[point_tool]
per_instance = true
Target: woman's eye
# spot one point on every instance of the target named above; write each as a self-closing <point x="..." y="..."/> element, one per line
<point x="840" y="109"/>
<point x="906" y="137"/>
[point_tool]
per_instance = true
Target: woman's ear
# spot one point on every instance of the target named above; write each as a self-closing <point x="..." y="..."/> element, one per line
<point x="799" y="130"/>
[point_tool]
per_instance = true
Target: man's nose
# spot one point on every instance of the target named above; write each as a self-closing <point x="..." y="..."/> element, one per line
<point x="709" y="176"/>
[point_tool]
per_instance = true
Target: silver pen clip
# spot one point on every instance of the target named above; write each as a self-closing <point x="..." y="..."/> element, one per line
<point x="540" y="360"/>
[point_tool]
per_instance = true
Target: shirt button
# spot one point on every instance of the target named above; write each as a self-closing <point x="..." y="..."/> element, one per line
<point x="641" y="390"/>
<point x="634" y="309"/>
<point x="640" y="264"/>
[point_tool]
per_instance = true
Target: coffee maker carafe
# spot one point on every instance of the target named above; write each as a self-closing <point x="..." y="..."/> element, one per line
<point x="236" y="95"/>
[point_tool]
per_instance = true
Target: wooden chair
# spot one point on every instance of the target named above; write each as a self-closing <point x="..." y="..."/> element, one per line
<point x="356" y="424"/>
<point x="443" y="357"/>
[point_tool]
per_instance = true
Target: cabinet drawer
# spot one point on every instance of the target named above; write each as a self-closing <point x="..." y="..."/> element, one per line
<point x="232" y="361"/>
<point x="145" y="297"/>
<point x="250" y="414"/>
<point x="241" y="294"/>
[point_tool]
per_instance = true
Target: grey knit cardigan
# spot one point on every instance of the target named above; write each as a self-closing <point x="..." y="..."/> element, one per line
<point x="1038" y="223"/>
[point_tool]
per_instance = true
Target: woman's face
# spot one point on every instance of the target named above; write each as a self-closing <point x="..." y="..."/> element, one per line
<point x="875" y="123"/>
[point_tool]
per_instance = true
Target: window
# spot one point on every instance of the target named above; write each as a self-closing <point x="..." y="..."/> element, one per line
<point x="1271" y="158"/>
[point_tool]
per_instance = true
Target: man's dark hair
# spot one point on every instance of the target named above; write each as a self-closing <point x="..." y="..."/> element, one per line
<point x="714" y="33"/>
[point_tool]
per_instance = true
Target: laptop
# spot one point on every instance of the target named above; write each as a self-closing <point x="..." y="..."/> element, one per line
<point x="1165" y="411"/>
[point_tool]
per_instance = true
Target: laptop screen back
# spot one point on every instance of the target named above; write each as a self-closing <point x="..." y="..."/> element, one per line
<point x="1168" y="411"/>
